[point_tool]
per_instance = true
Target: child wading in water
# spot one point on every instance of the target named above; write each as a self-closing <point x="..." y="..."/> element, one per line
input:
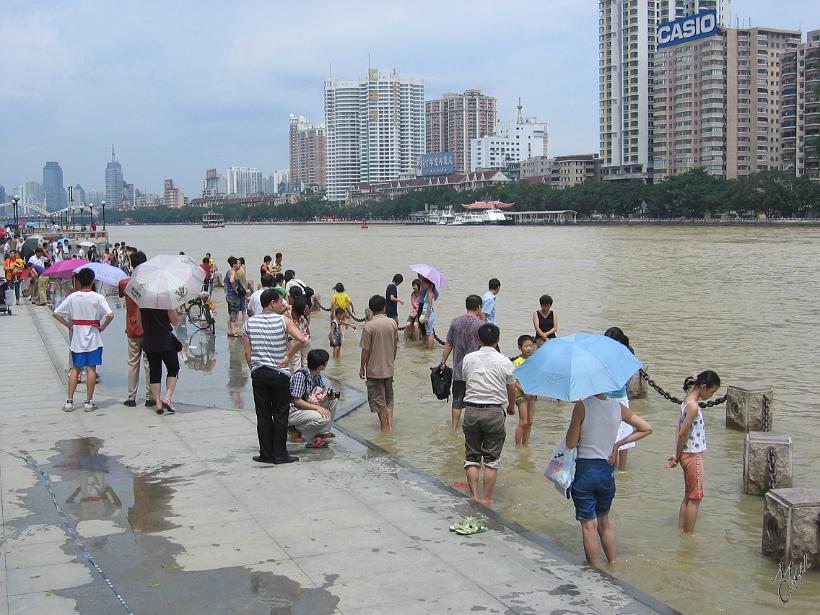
<point x="335" y="335"/>
<point x="411" y="328"/>
<point x="691" y="444"/>
<point x="525" y="403"/>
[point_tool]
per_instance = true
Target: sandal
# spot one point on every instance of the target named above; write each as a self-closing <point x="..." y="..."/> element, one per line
<point x="327" y="436"/>
<point x="469" y="526"/>
<point x="166" y="405"/>
<point x="317" y="443"/>
<point x="294" y="436"/>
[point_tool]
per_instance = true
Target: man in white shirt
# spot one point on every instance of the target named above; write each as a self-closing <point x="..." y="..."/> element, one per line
<point x="86" y="314"/>
<point x="490" y="386"/>
<point x="291" y="280"/>
<point x="255" y="302"/>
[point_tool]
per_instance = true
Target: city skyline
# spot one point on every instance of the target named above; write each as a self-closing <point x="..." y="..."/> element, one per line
<point x="175" y="102"/>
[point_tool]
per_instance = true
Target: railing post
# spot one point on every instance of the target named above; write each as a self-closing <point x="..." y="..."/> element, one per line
<point x="790" y="527"/>
<point x="749" y="407"/>
<point x="767" y="462"/>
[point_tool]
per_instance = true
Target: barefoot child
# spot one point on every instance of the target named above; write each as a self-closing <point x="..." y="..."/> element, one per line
<point x="335" y="335"/>
<point x="525" y="403"/>
<point x="691" y="444"/>
<point x="411" y="327"/>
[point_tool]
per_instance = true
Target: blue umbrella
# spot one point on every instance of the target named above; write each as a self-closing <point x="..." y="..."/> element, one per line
<point x="576" y="367"/>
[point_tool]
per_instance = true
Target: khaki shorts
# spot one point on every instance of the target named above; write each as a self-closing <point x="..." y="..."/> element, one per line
<point x="380" y="394"/>
<point x="692" y="464"/>
<point x="484" y="435"/>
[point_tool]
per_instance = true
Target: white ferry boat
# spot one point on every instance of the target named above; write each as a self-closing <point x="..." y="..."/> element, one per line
<point x="479" y="213"/>
<point x="213" y="220"/>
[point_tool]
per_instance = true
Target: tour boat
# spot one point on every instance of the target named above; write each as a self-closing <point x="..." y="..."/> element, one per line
<point x="213" y="220"/>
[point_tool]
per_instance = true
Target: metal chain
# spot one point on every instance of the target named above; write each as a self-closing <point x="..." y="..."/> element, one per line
<point x="438" y="339"/>
<point x="324" y="309"/>
<point x="766" y="414"/>
<point x="675" y="400"/>
<point x="354" y="318"/>
<point x="771" y="459"/>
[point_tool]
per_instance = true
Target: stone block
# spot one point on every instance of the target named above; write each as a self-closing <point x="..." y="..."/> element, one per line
<point x="790" y="525"/>
<point x="636" y="387"/>
<point x="757" y="478"/>
<point x="746" y="405"/>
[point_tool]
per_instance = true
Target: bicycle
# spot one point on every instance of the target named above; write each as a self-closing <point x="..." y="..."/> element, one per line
<point x="200" y="314"/>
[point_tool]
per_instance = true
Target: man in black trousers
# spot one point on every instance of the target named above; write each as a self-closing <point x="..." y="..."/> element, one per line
<point x="268" y="356"/>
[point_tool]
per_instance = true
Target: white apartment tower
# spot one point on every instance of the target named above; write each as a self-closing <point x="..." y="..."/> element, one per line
<point x="511" y="142"/>
<point x="245" y="181"/>
<point x="669" y="10"/>
<point x="374" y="128"/>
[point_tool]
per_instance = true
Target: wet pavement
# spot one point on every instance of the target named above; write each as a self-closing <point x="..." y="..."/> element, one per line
<point x="122" y="510"/>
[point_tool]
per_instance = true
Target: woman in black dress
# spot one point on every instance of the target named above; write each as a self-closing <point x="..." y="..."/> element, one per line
<point x="544" y="321"/>
<point x="161" y="346"/>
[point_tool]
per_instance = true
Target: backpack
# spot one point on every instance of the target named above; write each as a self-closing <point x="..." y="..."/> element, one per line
<point x="441" y="379"/>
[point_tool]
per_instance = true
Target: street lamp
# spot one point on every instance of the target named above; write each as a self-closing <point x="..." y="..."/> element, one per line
<point x="82" y="213"/>
<point x="103" y="206"/>
<point x="14" y="202"/>
<point x="91" y="205"/>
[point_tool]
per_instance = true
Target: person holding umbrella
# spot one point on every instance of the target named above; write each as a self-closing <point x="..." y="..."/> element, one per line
<point x="158" y="286"/>
<point x="586" y="368"/>
<point x="430" y="279"/>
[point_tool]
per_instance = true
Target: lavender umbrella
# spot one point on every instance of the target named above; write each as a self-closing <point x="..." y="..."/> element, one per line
<point x="432" y="274"/>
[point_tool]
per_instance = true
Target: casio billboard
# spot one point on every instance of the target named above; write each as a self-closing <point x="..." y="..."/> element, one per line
<point x="687" y="29"/>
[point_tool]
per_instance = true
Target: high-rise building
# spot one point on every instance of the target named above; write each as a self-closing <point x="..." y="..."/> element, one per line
<point x="211" y="185"/>
<point x="32" y="192"/>
<point x="800" y="104"/>
<point x="53" y="190"/>
<point x="245" y="181"/>
<point x="511" y="142"/>
<point x="374" y="128"/>
<point x="129" y="195"/>
<point x="95" y="196"/>
<point x="307" y="152"/>
<point x="626" y="44"/>
<point x="2" y="193"/>
<point x="454" y="120"/>
<point x="716" y="103"/>
<point x="275" y="181"/>
<point x="669" y="10"/>
<point x="113" y="181"/>
<point x="172" y="196"/>
<point x="79" y="195"/>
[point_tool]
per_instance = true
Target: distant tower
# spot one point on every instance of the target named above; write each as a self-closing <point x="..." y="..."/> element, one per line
<point x="53" y="189"/>
<point x="520" y="118"/>
<point x="113" y="181"/>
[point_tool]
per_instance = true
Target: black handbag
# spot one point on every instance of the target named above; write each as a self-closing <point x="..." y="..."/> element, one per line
<point x="441" y="378"/>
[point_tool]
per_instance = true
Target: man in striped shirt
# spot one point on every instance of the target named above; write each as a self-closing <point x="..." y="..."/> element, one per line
<point x="268" y="356"/>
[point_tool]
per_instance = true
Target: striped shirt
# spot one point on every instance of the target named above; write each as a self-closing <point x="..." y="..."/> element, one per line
<point x="268" y="337"/>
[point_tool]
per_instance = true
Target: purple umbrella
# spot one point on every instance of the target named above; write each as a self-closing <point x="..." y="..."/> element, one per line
<point x="64" y="269"/>
<point x="432" y="274"/>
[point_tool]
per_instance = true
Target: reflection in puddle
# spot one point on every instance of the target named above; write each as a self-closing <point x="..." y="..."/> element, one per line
<point x="95" y="486"/>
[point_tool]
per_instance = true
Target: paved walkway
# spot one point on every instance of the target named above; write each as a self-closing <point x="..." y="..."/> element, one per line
<point x="169" y="515"/>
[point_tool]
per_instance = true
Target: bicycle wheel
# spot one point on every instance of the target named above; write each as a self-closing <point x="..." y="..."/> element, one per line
<point x="197" y="317"/>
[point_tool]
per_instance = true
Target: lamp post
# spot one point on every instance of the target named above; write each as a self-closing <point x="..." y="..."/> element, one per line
<point x="14" y="202"/>
<point x="91" y="206"/>
<point x="103" y="206"/>
<point x="82" y="212"/>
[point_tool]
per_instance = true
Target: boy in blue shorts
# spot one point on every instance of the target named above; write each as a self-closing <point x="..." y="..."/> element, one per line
<point x="86" y="314"/>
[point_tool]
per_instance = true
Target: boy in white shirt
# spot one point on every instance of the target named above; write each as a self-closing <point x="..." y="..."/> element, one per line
<point x="86" y="314"/>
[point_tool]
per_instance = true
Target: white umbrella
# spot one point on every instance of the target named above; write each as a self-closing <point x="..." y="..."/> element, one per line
<point x="104" y="273"/>
<point x="165" y="282"/>
<point x="87" y="244"/>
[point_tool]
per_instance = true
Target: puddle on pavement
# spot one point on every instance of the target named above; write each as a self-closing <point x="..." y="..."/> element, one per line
<point x="93" y="486"/>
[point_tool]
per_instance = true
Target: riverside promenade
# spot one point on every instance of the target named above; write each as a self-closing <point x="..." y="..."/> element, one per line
<point x="121" y="510"/>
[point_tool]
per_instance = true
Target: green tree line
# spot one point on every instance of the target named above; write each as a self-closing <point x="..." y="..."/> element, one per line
<point x="692" y="195"/>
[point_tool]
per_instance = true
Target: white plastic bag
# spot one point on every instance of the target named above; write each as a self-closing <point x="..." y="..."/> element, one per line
<point x="561" y="468"/>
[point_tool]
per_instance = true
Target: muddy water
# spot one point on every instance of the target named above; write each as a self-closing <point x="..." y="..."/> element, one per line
<point x="741" y="301"/>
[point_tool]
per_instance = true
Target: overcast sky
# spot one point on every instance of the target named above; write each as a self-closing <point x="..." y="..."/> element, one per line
<point x="181" y="86"/>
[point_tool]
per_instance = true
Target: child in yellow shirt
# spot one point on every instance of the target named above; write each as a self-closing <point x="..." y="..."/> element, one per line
<point x="525" y="403"/>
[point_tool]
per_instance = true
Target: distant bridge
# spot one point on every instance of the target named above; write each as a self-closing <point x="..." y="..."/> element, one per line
<point x="7" y="209"/>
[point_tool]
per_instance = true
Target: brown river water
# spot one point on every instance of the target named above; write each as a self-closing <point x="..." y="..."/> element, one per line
<point x="741" y="301"/>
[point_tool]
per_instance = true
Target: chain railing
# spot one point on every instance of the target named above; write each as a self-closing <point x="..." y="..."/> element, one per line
<point x="771" y="467"/>
<point x="767" y="418"/>
<point x="675" y="400"/>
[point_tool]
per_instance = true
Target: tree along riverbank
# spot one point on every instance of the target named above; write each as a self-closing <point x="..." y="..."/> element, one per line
<point x="693" y="196"/>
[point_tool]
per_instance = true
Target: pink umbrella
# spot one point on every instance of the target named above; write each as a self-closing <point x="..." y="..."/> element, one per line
<point x="432" y="274"/>
<point x="64" y="269"/>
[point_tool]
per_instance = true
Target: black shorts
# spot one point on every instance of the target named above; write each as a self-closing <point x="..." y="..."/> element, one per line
<point x="459" y="389"/>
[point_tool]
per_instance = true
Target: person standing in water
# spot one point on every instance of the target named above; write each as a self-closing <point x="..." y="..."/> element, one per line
<point x="544" y="321"/>
<point x="621" y="395"/>
<point x="690" y="446"/>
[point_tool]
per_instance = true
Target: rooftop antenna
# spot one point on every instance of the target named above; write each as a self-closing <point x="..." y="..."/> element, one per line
<point x="520" y="119"/>
<point x="113" y="157"/>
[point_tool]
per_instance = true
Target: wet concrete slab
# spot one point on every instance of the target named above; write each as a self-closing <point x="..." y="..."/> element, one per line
<point x="159" y="514"/>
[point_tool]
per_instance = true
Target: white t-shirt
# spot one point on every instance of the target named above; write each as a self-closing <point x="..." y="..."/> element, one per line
<point x="38" y="260"/>
<point x="255" y="302"/>
<point x="87" y="306"/>
<point x="294" y="282"/>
